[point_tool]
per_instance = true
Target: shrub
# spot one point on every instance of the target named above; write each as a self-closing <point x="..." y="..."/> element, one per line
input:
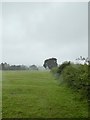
<point x="62" y="66"/>
<point x="54" y="72"/>
<point x="76" y="76"/>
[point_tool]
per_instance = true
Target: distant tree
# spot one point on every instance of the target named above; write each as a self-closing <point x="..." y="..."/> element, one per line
<point x="80" y="58"/>
<point x="83" y="59"/>
<point x="33" y="67"/>
<point x="87" y="60"/>
<point x="50" y="63"/>
<point x="4" y="66"/>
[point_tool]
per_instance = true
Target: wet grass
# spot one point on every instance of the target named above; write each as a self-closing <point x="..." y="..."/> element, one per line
<point x="37" y="95"/>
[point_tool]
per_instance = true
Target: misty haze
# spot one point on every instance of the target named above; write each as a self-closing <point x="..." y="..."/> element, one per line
<point x="33" y="32"/>
<point x="45" y="63"/>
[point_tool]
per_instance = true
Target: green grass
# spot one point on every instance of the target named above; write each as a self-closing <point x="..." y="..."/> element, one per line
<point x="38" y="95"/>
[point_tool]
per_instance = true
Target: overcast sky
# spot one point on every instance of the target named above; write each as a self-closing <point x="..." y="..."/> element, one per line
<point x="33" y="32"/>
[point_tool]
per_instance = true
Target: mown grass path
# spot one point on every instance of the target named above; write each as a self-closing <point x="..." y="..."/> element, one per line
<point x="38" y="95"/>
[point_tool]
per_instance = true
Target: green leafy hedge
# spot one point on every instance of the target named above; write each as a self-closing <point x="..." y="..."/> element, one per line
<point x="76" y="76"/>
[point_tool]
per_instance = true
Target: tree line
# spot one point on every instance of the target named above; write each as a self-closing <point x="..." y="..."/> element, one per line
<point x="6" y="66"/>
<point x="48" y="64"/>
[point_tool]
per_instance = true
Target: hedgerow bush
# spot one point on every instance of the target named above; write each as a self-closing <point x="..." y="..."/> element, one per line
<point x="55" y="72"/>
<point x="62" y="66"/>
<point x="75" y="76"/>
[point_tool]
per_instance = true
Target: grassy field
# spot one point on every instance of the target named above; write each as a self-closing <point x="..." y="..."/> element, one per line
<point x="38" y="95"/>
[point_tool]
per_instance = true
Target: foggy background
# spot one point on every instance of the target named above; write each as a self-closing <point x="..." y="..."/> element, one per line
<point x="33" y="32"/>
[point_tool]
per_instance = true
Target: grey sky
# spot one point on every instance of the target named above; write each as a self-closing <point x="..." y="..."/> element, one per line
<point x="33" y="32"/>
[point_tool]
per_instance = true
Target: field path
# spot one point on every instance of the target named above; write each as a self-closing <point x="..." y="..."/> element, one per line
<point x="38" y="95"/>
